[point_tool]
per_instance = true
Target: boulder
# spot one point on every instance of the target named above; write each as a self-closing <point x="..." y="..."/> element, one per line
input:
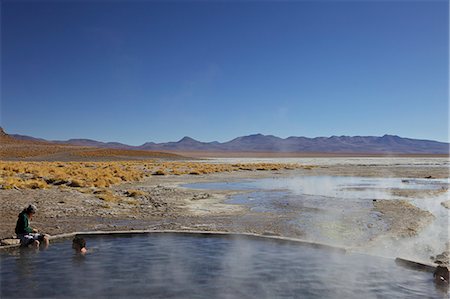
<point x="441" y="275"/>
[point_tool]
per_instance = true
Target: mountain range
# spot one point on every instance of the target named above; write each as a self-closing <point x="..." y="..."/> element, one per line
<point x="387" y="144"/>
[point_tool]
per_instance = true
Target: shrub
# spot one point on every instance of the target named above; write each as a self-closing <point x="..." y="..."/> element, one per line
<point x="134" y="193"/>
<point x="107" y="196"/>
<point x="75" y="183"/>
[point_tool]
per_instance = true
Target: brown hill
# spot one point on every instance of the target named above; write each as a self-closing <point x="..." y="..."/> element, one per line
<point x="5" y="138"/>
<point x="36" y="150"/>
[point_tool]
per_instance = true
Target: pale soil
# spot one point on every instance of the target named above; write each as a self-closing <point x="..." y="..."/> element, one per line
<point x="163" y="204"/>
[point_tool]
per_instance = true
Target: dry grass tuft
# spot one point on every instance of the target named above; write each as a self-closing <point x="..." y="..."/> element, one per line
<point x="134" y="193"/>
<point x="106" y="195"/>
<point x="87" y="175"/>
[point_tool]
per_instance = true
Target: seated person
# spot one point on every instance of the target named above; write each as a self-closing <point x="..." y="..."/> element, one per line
<point x="27" y="235"/>
<point x="79" y="245"/>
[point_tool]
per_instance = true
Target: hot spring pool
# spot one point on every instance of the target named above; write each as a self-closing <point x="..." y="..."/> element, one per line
<point x="196" y="266"/>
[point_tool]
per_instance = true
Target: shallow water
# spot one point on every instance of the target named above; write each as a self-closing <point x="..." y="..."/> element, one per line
<point x="193" y="266"/>
<point x="339" y="210"/>
<point x="379" y="161"/>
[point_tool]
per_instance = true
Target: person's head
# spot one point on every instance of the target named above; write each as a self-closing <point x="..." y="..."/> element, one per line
<point x="31" y="210"/>
<point x="78" y="244"/>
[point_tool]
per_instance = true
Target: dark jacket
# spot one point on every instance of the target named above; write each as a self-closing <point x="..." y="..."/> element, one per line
<point x="23" y="224"/>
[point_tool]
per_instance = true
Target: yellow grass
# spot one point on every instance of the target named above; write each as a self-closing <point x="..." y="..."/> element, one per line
<point x="107" y="197"/>
<point x="82" y="175"/>
<point x="135" y="193"/>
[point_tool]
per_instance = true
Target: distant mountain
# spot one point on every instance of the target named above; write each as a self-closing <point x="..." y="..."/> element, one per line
<point x="184" y="144"/>
<point x="256" y="142"/>
<point x="26" y="148"/>
<point x="387" y="144"/>
<point x="26" y="138"/>
<point x="20" y="139"/>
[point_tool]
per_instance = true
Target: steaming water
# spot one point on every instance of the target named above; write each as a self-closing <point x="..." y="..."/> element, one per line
<point x="339" y="210"/>
<point x="183" y="266"/>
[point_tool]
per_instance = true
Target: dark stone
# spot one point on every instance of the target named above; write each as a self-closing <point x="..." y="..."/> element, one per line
<point x="441" y="275"/>
<point x="60" y="182"/>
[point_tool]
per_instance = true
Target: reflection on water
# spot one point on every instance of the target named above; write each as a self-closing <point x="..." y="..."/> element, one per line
<point x="182" y="266"/>
<point x="339" y="210"/>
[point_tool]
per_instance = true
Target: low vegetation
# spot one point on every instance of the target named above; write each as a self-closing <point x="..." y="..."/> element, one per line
<point x="101" y="153"/>
<point x="79" y="175"/>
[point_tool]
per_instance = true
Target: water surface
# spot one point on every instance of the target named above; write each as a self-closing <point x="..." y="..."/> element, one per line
<point x="192" y="266"/>
<point x="339" y="210"/>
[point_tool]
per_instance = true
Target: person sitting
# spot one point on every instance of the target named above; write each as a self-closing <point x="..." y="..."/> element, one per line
<point x="27" y="235"/>
<point x="79" y="245"/>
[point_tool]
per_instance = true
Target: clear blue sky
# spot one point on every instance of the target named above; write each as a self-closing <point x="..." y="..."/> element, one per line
<point x="156" y="71"/>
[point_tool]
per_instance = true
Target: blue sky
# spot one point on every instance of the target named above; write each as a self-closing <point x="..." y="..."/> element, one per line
<point x="157" y="71"/>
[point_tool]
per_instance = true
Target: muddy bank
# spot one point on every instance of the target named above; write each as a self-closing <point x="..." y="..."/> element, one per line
<point x="403" y="218"/>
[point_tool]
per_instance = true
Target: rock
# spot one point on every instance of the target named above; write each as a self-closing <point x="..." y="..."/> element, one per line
<point x="442" y="259"/>
<point x="49" y="180"/>
<point x="441" y="275"/>
<point x="201" y="196"/>
<point x="60" y="182"/>
<point x="446" y="204"/>
<point x="6" y="242"/>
